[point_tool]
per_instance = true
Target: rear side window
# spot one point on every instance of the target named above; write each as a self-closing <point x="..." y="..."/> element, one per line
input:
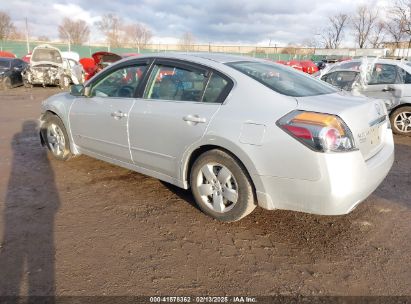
<point x="215" y="88"/>
<point x="282" y="79"/>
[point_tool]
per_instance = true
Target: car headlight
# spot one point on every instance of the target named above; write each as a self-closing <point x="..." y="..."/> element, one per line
<point x="320" y="132"/>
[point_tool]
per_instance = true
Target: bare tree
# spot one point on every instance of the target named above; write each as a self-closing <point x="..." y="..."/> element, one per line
<point x="377" y="34"/>
<point x="187" y="41"/>
<point x="111" y="26"/>
<point x="399" y="25"/>
<point x="334" y="33"/>
<point x="138" y="35"/>
<point x="362" y="22"/>
<point x="6" y="26"/>
<point x="77" y="31"/>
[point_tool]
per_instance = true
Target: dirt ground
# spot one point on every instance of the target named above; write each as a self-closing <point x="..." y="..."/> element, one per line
<point x="85" y="227"/>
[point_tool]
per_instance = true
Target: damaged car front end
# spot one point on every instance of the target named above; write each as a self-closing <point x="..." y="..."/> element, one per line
<point x="46" y="68"/>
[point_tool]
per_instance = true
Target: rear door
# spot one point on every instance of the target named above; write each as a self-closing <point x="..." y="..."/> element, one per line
<point x="173" y="113"/>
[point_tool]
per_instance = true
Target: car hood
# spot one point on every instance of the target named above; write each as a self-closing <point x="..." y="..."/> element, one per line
<point x="361" y="114"/>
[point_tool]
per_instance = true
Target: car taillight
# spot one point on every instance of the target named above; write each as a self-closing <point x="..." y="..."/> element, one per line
<point x="320" y="132"/>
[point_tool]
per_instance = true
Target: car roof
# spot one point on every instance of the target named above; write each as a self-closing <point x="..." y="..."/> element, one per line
<point x="343" y="70"/>
<point x="197" y="57"/>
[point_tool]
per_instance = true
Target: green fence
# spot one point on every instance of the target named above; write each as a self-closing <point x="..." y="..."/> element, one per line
<point x="20" y="49"/>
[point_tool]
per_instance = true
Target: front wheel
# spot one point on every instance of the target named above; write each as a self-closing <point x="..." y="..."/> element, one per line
<point x="55" y="137"/>
<point x="401" y="121"/>
<point x="7" y="83"/>
<point x="221" y="186"/>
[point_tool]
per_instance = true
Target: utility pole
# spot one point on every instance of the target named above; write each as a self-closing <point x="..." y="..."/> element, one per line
<point x="27" y="37"/>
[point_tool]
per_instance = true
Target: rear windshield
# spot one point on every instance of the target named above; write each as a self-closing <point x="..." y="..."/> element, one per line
<point x="283" y="80"/>
<point x="47" y="55"/>
<point x="5" y="63"/>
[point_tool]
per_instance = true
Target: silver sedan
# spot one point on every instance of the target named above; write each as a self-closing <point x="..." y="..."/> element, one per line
<point x="238" y="131"/>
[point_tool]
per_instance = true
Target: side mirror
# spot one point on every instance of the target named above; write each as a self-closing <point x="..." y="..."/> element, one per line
<point x="77" y="90"/>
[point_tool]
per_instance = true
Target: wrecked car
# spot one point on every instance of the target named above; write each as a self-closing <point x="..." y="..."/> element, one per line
<point x="99" y="61"/>
<point x="10" y="72"/>
<point x="46" y="68"/>
<point x="385" y="79"/>
<point x="73" y="68"/>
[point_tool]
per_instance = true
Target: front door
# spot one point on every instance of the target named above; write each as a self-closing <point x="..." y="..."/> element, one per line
<point x="99" y="122"/>
<point x="178" y="104"/>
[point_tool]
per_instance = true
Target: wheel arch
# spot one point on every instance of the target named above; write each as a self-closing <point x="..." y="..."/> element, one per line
<point x="401" y="105"/>
<point x="240" y="157"/>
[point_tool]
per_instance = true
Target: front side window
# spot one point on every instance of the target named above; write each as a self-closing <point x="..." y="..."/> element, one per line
<point x="282" y="79"/>
<point x="120" y="83"/>
<point x="5" y="64"/>
<point x="175" y="83"/>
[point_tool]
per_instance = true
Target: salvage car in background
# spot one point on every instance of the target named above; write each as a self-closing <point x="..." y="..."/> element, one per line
<point x="46" y="68"/>
<point x="73" y="68"/>
<point x="5" y="54"/>
<point x="10" y="72"/>
<point x="385" y="79"/>
<point x="99" y="61"/>
<point x="238" y="131"/>
<point x="306" y="66"/>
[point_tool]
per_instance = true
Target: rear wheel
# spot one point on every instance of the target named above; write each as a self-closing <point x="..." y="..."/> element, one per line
<point x="401" y="121"/>
<point x="221" y="186"/>
<point x="55" y="137"/>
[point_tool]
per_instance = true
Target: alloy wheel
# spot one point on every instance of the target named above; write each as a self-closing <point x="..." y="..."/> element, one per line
<point x="217" y="187"/>
<point x="55" y="139"/>
<point x="403" y="121"/>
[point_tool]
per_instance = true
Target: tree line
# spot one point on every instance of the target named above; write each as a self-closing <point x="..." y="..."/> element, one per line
<point x="77" y="32"/>
<point x="367" y="27"/>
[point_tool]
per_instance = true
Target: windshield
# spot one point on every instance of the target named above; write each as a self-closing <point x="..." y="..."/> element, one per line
<point x="46" y="55"/>
<point x="282" y="79"/>
<point x="5" y="64"/>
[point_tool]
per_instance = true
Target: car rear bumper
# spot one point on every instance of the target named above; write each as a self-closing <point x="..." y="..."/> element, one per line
<point x="346" y="180"/>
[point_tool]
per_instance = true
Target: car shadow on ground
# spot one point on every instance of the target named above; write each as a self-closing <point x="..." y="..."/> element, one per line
<point x="27" y="248"/>
<point x="183" y="194"/>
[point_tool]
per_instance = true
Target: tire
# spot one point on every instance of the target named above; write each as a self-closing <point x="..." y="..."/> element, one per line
<point x="401" y="121"/>
<point x="65" y="82"/>
<point x="55" y="137"/>
<point x="7" y="83"/>
<point x="215" y="194"/>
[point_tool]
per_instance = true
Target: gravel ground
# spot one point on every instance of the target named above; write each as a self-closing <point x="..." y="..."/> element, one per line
<point x="85" y="227"/>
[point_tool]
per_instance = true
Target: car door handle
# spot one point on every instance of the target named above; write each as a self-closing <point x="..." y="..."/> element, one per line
<point x="388" y="89"/>
<point x="194" y="118"/>
<point x="118" y="115"/>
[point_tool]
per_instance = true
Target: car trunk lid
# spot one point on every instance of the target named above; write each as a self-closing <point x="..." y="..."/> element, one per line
<point x="366" y="118"/>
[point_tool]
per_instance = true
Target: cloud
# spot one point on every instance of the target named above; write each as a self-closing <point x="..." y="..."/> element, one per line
<point x="228" y="21"/>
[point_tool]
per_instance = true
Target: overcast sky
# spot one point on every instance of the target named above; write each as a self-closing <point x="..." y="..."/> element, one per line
<point x="216" y="21"/>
